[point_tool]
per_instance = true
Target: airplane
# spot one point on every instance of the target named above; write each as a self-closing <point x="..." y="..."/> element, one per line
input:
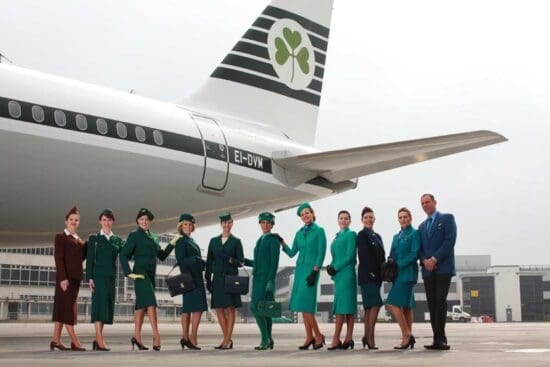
<point x="243" y="142"/>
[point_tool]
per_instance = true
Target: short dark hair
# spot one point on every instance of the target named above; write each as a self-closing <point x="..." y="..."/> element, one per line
<point x="405" y="210"/>
<point x="344" y="212"/>
<point x="365" y="211"/>
<point x="428" y="194"/>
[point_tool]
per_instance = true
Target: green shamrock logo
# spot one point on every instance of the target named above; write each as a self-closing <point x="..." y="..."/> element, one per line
<point x="293" y="40"/>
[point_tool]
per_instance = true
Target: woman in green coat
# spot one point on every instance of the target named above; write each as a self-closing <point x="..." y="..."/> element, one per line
<point x="101" y="259"/>
<point x="225" y="255"/>
<point x="188" y="256"/>
<point x="342" y="270"/>
<point x="310" y="241"/>
<point x="265" y="264"/>
<point x="143" y="246"/>
<point x="405" y="250"/>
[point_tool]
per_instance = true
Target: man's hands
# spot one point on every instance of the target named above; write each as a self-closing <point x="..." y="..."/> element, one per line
<point x="430" y="264"/>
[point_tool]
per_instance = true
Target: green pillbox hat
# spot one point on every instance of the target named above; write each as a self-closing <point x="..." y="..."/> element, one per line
<point x="107" y="213"/>
<point x="266" y="216"/>
<point x="187" y="217"/>
<point x="225" y="217"/>
<point x="302" y="207"/>
<point x="145" y="211"/>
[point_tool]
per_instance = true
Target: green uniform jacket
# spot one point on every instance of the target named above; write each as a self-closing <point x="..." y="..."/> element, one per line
<point x="217" y="268"/>
<point x="186" y="253"/>
<point x="344" y="254"/>
<point x="312" y="246"/>
<point x="265" y="265"/>
<point x="144" y="248"/>
<point x="101" y="261"/>
<point x="405" y="250"/>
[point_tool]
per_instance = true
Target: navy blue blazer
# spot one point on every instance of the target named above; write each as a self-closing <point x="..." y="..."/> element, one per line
<point x="439" y="242"/>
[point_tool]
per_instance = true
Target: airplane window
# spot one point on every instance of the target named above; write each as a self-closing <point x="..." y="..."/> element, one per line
<point x="102" y="126"/>
<point x="60" y="118"/>
<point x="140" y="133"/>
<point x="81" y="122"/>
<point x="121" y="130"/>
<point x="14" y="109"/>
<point x="157" y="136"/>
<point x="38" y="113"/>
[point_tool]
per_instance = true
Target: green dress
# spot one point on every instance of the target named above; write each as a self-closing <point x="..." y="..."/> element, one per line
<point x="217" y="268"/>
<point x="405" y="250"/>
<point x="344" y="253"/>
<point x="144" y="248"/>
<point x="310" y="241"/>
<point x="187" y="252"/>
<point x="101" y="258"/>
<point x="265" y="265"/>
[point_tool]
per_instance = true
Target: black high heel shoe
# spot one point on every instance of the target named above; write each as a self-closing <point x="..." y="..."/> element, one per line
<point x="156" y="348"/>
<point x="410" y="343"/>
<point x="306" y="345"/>
<point x="60" y="346"/>
<point x="190" y="345"/>
<point x="320" y="345"/>
<point x="271" y="344"/>
<point x="77" y="348"/>
<point x="182" y="343"/>
<point x="138" y="344"/>
<point x="349" y="344"/>
<point x="95" y="346"/>
<point x="336" y="347"/>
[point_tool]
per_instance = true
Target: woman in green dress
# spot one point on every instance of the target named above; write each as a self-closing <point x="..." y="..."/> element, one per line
<point x="188" y="256"/>
<point x="310" y="241"/>
<point x="225" y="255"/>
<point x="143" y="246"/>
<point x="101" y="259"/>
<point x="342" y="270"/>
<point x="405" y="249"/>
<point x="265" y="264"/>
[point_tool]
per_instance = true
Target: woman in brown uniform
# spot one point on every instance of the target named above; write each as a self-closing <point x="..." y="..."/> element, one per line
<point x="69" y="253"/>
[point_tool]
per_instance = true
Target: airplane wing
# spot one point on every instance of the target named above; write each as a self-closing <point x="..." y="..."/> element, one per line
<point x="340" y="165"/>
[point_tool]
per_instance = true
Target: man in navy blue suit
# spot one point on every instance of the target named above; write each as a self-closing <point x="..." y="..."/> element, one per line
<point x="437" y="257"/>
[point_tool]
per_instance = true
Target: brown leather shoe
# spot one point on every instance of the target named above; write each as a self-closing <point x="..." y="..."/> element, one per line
<point x="77" y="348"/>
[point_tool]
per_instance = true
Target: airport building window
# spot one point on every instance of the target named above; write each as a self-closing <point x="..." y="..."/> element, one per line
<point x="157" y="136"/>
<point x="121" y="130"/>
<point x="102" y="126"/>
<point x="140" y="134"/>
<point x="38" y="113"/>
<point x="81" y="122"/>
<point x="14" y="108"/>
<point x="60" y="118"/>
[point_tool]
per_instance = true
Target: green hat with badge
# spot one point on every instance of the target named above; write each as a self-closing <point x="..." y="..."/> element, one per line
<point x="267" y="217"/>
<point x="107" y="213"/>
<point x="302" y="207"/>
<point x="145" y="211"/>
<point x="187" y="217"/>
<point x="225" y="217"/>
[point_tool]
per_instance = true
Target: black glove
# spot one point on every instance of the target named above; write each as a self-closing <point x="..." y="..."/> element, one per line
<point x="311" y="278"/>
<point x="209" y="285"/>
<point x="331" y="271"/>
<point x="278" y="237"/>
<point x="200" y="262"/>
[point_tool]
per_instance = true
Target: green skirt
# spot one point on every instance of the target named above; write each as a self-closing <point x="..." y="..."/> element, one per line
<point x="103" y="299"/>
<point x="402" y="295"/>
<point x="370" y="293"/>
<point x="145" y="293"/>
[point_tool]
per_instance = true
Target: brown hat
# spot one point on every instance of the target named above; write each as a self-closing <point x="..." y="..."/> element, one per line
<point x="74" y="210"/>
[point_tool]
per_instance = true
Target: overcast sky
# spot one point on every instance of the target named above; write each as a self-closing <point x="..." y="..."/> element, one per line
<point x="395" y="70"/>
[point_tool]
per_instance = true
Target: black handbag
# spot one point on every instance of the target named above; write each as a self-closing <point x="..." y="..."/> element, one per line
<point x="388" y="270"/>
<point x="179" y="284"/>
<point x="237" y="284"/>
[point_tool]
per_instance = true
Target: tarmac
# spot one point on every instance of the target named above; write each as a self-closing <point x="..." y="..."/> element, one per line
<point x="497" y="344"/>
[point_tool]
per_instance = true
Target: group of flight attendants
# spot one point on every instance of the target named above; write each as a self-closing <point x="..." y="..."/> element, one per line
<point x="224" y="256"/>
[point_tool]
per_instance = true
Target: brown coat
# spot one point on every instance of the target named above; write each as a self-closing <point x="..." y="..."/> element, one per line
<point x="69" y="254"/>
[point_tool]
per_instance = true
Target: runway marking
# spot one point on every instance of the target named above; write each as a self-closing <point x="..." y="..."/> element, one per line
<point x="539" y="350"/>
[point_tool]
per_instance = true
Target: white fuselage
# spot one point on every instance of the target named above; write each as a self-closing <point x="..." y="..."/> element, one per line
<point x="142" y="153"/>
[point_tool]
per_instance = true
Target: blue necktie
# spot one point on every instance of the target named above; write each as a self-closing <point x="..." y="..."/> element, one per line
<point x="429" y="224"/>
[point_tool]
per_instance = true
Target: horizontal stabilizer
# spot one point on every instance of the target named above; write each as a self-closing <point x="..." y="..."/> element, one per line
<point x="346" y="164"/>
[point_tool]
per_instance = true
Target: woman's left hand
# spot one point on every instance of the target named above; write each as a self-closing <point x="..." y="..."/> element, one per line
<point x="91" y="284"/>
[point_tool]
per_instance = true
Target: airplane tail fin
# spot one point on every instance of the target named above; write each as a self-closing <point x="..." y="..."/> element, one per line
<point x="274" y="74"/>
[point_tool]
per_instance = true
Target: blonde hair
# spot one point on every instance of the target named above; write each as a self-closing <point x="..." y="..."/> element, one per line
<point x="180" y="227"/>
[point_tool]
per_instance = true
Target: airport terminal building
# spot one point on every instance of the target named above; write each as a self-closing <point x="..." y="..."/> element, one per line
<point x="505" y="293"/>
